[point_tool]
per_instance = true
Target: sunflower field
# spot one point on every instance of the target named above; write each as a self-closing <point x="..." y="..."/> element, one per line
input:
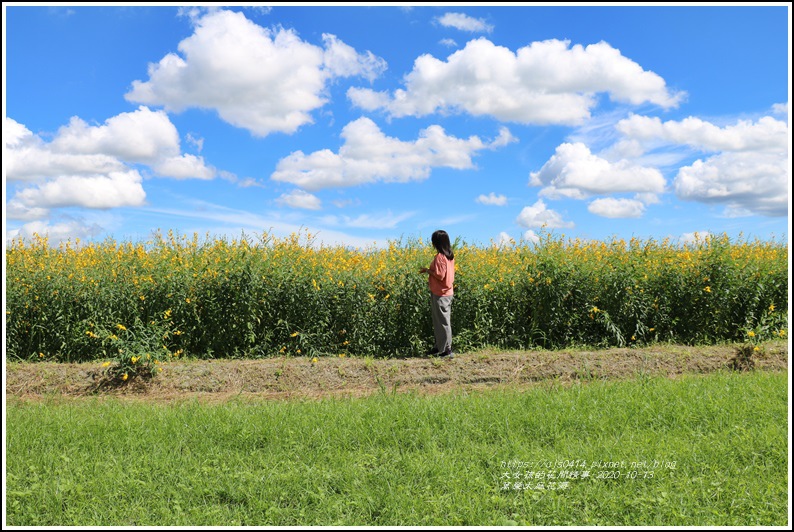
<point x="177" y="296"/>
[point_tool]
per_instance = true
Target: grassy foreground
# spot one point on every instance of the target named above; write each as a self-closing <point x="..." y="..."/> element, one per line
<point x="696" y="450"/>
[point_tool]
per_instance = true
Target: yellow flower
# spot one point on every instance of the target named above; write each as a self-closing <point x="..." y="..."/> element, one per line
<point x="135" y="359"/>
<point x="751" y="334"/>
<point x="41" y="355"/>
<point x="121" y="327"/>
<point x="105" y="364"/>
<point x="124" y="377"/>
<point x="771" y="308"/>
<point x="293" y="335"/>
<point x="707" y="289"/>
<point x="341" y="355"/>
<point x="314" y="360"/>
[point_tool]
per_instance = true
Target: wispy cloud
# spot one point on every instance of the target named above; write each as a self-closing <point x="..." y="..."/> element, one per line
<point x="446" y="222"/>
<point x="385" y="220"/>
<point x="225" y="220"/>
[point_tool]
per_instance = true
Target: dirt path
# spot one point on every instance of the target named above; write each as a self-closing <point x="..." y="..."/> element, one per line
<point x="283" y="378"/>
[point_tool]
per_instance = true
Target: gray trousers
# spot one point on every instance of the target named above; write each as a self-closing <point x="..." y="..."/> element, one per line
<point x="441" y="309"/>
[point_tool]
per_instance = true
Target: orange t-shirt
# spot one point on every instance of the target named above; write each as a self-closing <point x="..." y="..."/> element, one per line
<point x="442" y="275"/>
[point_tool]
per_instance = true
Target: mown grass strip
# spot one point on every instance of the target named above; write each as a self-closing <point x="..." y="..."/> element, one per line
<point x="707" y="450"/>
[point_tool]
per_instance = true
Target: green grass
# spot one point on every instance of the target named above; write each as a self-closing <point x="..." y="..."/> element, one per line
<point x="404" y="459"/>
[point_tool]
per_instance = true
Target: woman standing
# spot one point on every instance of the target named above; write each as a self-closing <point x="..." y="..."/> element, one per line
<point x="441" y="276"/>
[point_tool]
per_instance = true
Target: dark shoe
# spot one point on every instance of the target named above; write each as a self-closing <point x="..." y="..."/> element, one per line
<point x="432" y="352"/>
<point x="447" y="354"/>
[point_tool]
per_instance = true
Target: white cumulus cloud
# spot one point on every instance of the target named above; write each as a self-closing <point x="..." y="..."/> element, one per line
<point x="746" y="168"/>
<point x="61" y="231"/>
<point x="695" y="237"/>
<point x="263" y="80"/>
<point x="143" y="136"/>
<point x="781" y="108"/>
<point x="368" y="156"/>
<point x="139" y="137"/>
<point x="29" y="158"/>
<point x="538" y="216"/>
<point x="617" y="208"/>
<point x="342" y="60"/>
<point x="505" y="240"/>
<point x="464" y="22"/>
<point x="117" y="189"/>
<point x="492" y="199"/>
<point x="574" y="172"/>
<point x="15" y="134"/>
<point x="743" y="182"/>
<point x="531" y="236"/>
<point x="185" y="166"/>
<point x="767" y="134"/>
<point x="300" y="199"/>
<point x="17" y="209"/>
<point x="92" y="166"/>
<point x="547" y="82"/>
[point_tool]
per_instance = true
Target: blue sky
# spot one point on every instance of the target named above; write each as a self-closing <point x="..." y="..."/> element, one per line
<point x="365" y="124"/>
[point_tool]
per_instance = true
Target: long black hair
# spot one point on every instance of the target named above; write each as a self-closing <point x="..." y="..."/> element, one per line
<point x="440" y="240"/>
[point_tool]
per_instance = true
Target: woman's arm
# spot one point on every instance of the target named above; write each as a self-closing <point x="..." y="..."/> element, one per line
<point x="438" y="268"/>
